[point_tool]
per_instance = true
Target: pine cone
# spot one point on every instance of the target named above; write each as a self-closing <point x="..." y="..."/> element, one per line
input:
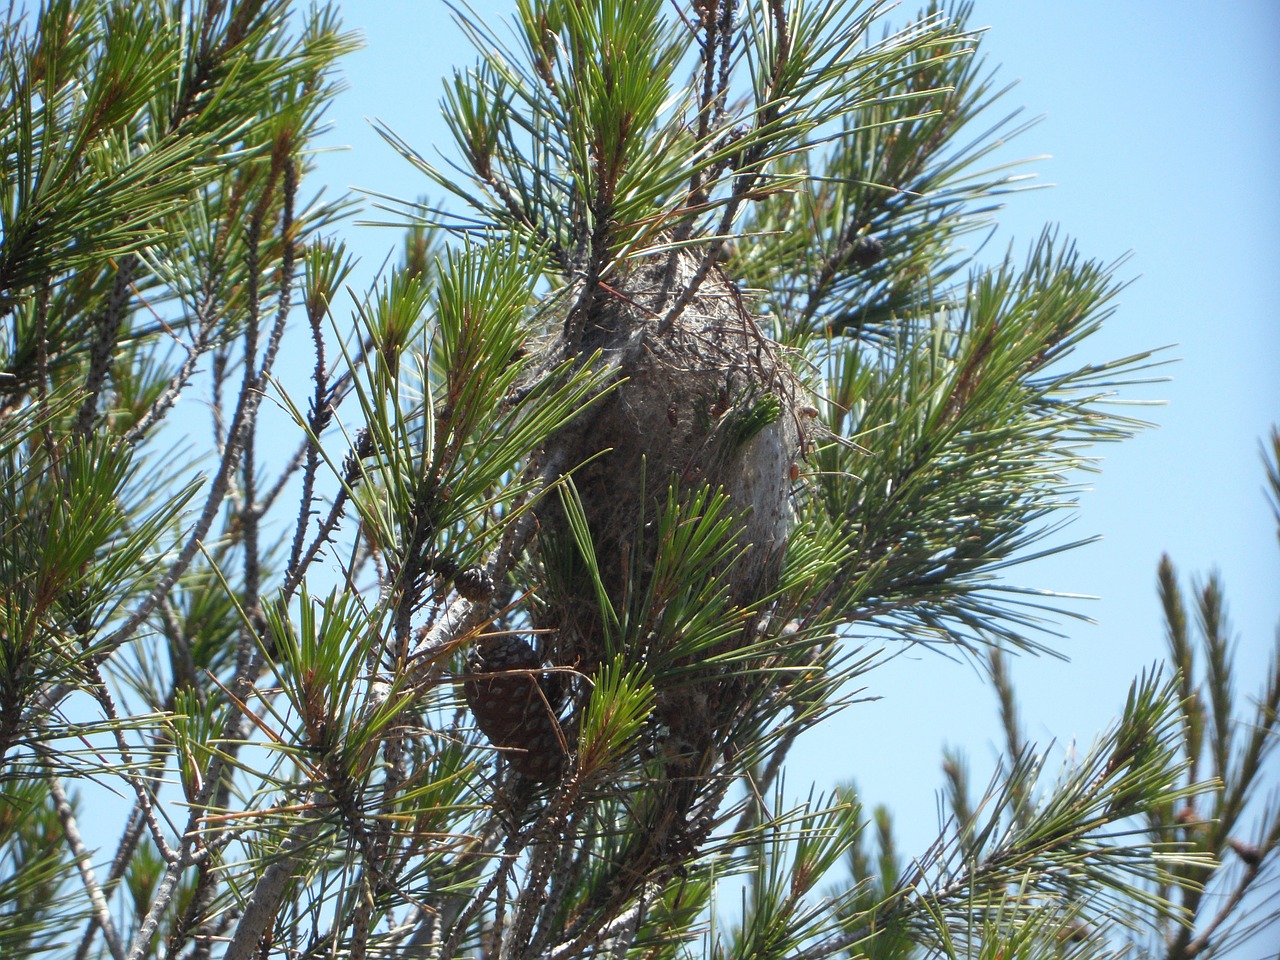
<point x="867" y="251"/>
<point x="512" y="703"/>
<point x="473" y="584"/>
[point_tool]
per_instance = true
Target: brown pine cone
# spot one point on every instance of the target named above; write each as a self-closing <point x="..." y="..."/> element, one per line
<point x="507" y="693"/>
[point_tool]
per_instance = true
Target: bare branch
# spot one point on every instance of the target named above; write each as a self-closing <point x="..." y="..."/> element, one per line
<point x="71" y="832"/>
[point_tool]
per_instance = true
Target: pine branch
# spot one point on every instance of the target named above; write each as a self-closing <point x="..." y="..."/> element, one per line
<point x="659" y="198"/>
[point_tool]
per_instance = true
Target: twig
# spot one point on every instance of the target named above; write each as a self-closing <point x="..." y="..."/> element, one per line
<point x="611" y="935"/>
<point x="71" y="831"/>
<point x="124" y="853"/>
<point x="462" y="616"/>
<point x="618" y="937"/>
<point x="442" y="911"/>
<point x="103" y="696"/>
<point x="1186" y="948"/>
<point x="517" y="942"/>
<point x="744" y="183"/>
<point x="288" y="255"/>
<point x="321" y="413"/>
<point x="269" y="891"/>
<point x="167" y="888"/>
<point x="565" y="863"/>
<point x="182" y="661"/>
<point x="777" y="757"/>
<point x="102" y="349"/>
<point x="473" y="907"/>
<point x="205" y="324"/>
<point x="246" y="409"/>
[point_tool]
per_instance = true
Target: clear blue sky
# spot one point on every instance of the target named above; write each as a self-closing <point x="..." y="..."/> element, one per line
<point x="1161" y="123"/>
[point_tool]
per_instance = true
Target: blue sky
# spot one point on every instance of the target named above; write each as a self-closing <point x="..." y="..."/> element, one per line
<point x="1161" y="125"/>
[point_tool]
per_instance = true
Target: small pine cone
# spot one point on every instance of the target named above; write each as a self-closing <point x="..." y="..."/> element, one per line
<point x="1250" y="854"/>
<point x="473" y="584"/>
<point x="867" y="251"/>
<point x="505" y="690"/>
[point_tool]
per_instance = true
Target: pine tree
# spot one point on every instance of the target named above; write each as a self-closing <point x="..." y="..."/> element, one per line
<point x="685" y="406"/>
